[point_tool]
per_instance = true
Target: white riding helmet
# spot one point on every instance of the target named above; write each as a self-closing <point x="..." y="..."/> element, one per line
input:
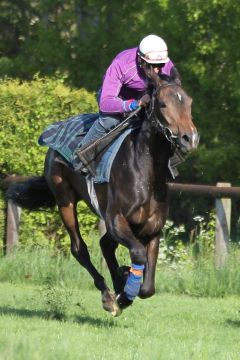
<point x="153" y="50"/>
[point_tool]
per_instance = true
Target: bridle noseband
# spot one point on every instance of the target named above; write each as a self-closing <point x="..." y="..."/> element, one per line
<point x="155" y="121"/>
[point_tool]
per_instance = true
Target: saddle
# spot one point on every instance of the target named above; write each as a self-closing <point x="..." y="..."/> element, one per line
<point x="66" y="136"/>
<point x="90" y="153"/>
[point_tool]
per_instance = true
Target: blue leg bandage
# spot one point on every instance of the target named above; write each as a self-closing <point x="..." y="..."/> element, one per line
<point x="133" y="283"/>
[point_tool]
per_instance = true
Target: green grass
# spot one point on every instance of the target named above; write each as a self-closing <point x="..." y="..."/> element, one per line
<point x="200" y="277"/>
<point x="49" y="309"/>
<point x="196" y="278"/>
<point x="163" y="327"/>
<point x="41" y="266"/>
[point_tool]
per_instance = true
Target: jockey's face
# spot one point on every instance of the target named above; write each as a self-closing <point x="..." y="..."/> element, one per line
<point x="157" y="67"/>
<point x="146" y="67"/>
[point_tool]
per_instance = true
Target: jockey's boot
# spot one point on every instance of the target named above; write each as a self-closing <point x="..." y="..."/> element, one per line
<point x="101" y="126"/>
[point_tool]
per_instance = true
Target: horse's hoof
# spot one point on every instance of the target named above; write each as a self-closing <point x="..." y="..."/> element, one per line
<point x="116" y="310"/>
<point x="110" y="304"/>
<point x="122" y="301"/>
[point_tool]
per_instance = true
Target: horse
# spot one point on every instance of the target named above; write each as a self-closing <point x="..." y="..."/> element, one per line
<point x="134" y="203"/>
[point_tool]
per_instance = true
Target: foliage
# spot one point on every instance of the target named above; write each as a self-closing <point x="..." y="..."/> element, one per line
<point x="200" y="277"/>
<point x="191" y="268"/>
<point x="203" y="43"/>
<point x="26" y="109"/>
<point x="203" y="242"/>
<point x="2" y="219"/>
<point x="172" y="250"/>
<point x="185" y="274"/>
<point x="56" y="300"/>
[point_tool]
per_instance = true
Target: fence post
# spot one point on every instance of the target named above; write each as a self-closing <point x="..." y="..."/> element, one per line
<point x="223" y="222"/>
<point x="12" y="226"/>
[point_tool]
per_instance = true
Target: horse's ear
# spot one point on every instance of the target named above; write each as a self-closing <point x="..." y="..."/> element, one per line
<point x="175" y="76"/>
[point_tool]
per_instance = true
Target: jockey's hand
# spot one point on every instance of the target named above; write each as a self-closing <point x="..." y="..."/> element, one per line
<point x="145" y="100"/>
<point x="133" y="105"/>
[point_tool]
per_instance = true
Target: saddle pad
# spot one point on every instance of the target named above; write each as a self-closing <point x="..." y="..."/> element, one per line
<point x="65" y="137"/>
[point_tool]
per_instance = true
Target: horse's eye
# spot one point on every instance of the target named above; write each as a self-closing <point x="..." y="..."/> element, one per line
<point x="162" y="104"/>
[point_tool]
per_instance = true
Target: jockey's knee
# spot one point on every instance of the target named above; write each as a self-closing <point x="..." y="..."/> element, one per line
<point x="138" y="255"/>
<point x="108" y="122"/>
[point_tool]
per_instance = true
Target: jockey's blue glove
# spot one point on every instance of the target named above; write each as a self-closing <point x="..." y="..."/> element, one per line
<point x="133" y="105"/>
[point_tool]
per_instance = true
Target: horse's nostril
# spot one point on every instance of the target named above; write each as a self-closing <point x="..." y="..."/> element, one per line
<point x="186" y="138"/>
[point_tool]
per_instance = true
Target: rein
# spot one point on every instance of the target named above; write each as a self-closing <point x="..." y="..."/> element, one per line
<point x="156" y="122"/>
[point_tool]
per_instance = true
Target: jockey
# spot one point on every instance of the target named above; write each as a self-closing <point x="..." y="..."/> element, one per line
<point x="125" y="83"/>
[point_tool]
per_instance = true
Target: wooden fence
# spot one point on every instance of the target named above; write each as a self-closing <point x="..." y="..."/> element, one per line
<point x="223" y="193"/>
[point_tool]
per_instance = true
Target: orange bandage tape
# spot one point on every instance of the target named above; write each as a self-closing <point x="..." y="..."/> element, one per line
<point x="136" y="272"/>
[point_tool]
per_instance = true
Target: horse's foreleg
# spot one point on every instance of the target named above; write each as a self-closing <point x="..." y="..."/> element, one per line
<point x="109" y="246"/>
<point x="120" y="230"/>
<point x="148" y="287"/>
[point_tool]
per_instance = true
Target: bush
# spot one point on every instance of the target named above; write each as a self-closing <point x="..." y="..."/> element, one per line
<point x="26" y="109"/>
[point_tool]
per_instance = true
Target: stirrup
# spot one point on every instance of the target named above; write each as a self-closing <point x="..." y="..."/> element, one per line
<point x="84" y="171"/>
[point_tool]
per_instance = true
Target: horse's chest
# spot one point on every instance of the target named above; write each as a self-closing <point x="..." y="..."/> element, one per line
<point x="149" y="221"/>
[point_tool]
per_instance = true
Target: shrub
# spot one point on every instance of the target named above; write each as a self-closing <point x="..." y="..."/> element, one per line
<point x="26" y="109"/>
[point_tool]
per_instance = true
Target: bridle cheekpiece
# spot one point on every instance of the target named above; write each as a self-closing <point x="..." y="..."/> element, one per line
<point x="156" y="121"/>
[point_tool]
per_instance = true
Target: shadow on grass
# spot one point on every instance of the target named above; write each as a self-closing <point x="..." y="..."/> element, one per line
<point x="80" y="319"/>
<point x="22" y="312"/>
<point x="97" y="322"/>
<point x="233" y="323"/>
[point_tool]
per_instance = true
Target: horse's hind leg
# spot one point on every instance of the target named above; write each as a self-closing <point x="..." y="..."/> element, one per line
<point x="80" y="252"/>
<point x="109" y="246"/>
<point x="66" y="200"/>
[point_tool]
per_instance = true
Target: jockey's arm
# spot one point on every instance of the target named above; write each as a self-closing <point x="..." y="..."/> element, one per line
<point x="109" y="101"/>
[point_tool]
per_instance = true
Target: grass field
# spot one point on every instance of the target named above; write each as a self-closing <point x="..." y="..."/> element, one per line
<point x="49" y="309"/>
<point x="163" y="327"/>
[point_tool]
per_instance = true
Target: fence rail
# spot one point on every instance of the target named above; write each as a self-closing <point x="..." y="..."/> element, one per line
<point x="197" y="190"/>
<point x="223" y="193"/>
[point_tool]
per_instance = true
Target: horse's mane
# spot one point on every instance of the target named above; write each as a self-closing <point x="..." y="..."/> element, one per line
<point x="174" y="79"/>
<point x="166" y="77"/>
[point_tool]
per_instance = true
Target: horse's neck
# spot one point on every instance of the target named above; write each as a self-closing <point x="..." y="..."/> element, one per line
<point x="152" y="152"/>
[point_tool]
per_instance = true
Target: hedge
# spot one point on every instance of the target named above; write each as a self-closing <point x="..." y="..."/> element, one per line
<point x="26" y="109"/>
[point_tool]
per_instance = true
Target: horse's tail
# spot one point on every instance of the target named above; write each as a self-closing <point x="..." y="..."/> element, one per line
<point x="32" y="194"/>
<point x="7" y="180"/>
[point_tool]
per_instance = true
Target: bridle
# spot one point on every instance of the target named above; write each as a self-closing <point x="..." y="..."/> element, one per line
<point x="156" y="121"/>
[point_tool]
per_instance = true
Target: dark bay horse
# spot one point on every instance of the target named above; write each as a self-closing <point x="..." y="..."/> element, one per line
<point x="134" y="203"/>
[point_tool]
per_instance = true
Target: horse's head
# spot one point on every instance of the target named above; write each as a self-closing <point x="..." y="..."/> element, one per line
<point x="171" y="113"/>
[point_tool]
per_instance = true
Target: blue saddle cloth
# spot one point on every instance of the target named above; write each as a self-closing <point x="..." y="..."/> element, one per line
<point x="65" y="137"/>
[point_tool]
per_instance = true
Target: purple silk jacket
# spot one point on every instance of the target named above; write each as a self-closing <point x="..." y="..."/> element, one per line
<point x="124" y="81"/>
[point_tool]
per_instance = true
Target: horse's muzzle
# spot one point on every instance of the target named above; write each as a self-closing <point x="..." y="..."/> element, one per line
<point x="188" y="141"/>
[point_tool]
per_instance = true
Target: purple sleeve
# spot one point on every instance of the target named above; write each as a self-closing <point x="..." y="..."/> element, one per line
<point x="167" y="67"/>
<point x="112" y="83"/>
